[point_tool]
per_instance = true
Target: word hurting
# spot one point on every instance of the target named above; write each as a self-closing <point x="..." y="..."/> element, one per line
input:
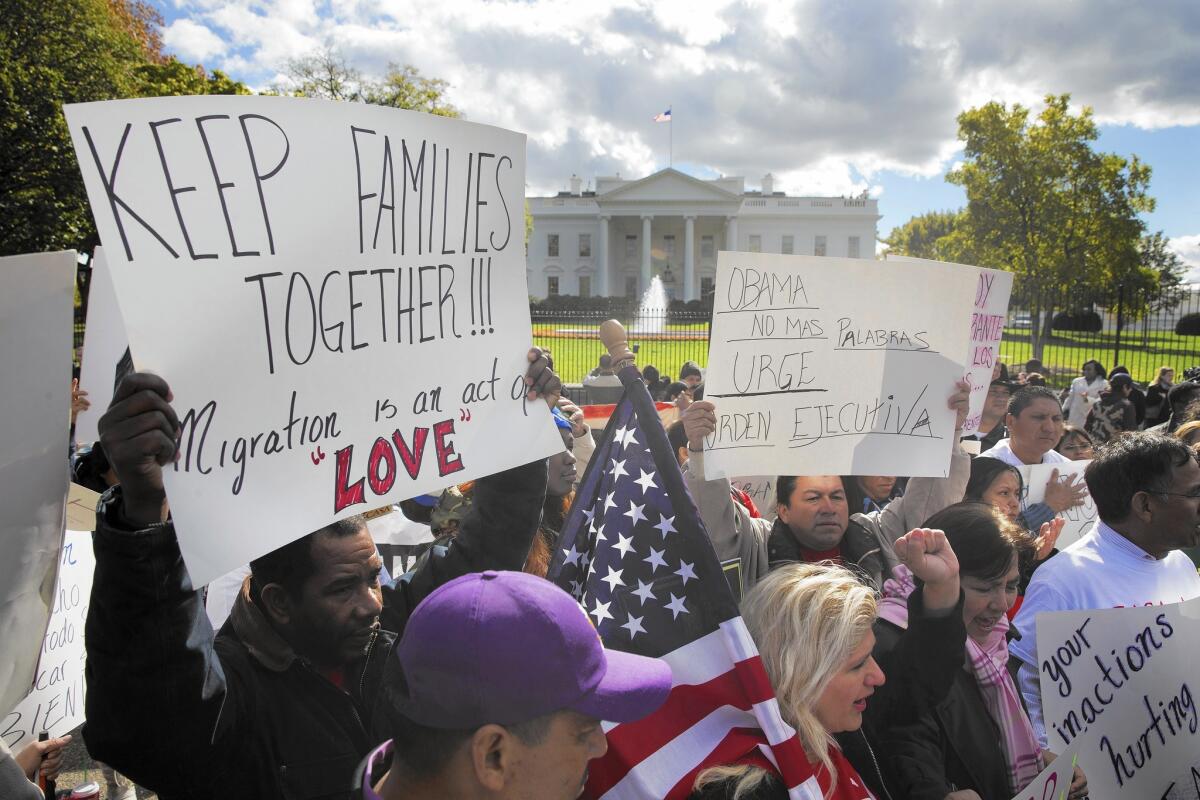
<point x="1179" y="713"/>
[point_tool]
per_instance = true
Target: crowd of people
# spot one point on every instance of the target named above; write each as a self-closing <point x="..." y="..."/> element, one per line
<point x="895" y="617"/>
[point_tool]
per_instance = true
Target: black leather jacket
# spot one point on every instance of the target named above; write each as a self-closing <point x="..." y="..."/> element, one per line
<point x="240" y="715"/>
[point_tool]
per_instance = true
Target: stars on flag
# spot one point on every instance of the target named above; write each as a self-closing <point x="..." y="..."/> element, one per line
<point x="644" y="592"/>
<point x="646" y="482"/>
<point x="618" y="470"/>
<point x="685" y="572"/>
<point x="655" y="560"/>
<point x="613" y="578"/>
<point x="676" y="606"/>
<point x="600" y="611"/>
<point x="624" y="545"/>
<point x="635" y="512"/>
<point x="666" y="525"/>
<point x="634" y="625"/>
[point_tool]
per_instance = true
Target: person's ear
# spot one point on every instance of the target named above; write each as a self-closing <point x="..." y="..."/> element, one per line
<point x="277" y="604"/>
<point x="681" y="455"/>
<point x="1009" y="420"/>
<point x="1140" y="505"/>
<point x="492" y="756"/>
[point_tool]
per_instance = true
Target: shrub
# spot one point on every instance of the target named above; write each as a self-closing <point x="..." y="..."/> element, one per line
<point x="1084" y="320"/>
<point x="1188" y="325"/>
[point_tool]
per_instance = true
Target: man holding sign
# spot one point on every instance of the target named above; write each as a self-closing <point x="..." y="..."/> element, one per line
<point x="1146" y="487"/>
<point x="281" y="703"/>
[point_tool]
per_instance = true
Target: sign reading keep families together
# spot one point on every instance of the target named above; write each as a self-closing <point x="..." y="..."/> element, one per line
<point x="335" y="293"/>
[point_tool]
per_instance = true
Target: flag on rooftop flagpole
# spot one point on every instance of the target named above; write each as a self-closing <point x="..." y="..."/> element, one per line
<point x="636" y="555"/>
<point x="664" y="116"/>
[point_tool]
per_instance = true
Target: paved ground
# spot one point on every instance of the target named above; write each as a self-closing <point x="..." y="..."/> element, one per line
<point x="79" y="768"/>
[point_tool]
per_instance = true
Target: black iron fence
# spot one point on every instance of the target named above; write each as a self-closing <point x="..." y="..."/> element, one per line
<point x="1138" y="329"/>
<point x="661" y="338"/>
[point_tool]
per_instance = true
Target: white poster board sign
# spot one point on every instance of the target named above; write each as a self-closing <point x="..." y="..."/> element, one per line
<point x="834" y="366"/>
<point x="989" y="309"/>
<point x="761" y="489"/>
<point x="1120" y="684"/>
<point x="1078" y="520"/>
<point x="1054" y="782"/>
<point x="336" y="294"/>
<point x="55" y="704"/>
<point x="104" y="345"/>
<point x="36" y="298"/>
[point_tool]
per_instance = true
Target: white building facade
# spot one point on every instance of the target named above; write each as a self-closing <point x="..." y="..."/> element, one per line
<point x="613" y="241"/>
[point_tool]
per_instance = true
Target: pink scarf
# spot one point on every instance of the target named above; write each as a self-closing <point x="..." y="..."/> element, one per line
<point x="989" y="666"/>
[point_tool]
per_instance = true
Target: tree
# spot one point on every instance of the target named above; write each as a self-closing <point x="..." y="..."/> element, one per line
<point x="173" y="77"/>
<point x="325" y="73"/>
<point x="920" y="236"/>
<point x="1159" y="284"/>
<point x="1045" y="205"/>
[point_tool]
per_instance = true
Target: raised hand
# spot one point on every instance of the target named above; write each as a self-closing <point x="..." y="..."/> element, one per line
<point x="960" y="401"/>
<point x="699" y="420"/>
<point x="540" y="378"/>
<point x="1063" y="494"/>
<point x="139" y="433"/>
<point x="928" y="555"/>
<point x="1047" y="537"/>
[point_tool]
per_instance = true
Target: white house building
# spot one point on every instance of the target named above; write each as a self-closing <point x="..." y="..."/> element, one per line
<point x="612" y="241"/>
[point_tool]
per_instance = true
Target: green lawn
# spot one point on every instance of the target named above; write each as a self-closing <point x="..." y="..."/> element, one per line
<point x="575" y="356"/>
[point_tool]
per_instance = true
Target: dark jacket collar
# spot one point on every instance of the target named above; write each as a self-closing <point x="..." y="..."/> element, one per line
<point x="860" y="550"/>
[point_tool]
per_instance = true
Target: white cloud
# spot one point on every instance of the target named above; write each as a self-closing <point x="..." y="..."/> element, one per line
<point x="823" y="94"/>
<point x="1188" y="249"/>
<point x="192" y="41"/>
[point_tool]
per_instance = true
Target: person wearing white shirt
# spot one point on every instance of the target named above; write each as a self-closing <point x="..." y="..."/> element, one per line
<point x="1084" y="392"/>
<point x="1035" y="425"/>
<point x="1146" y="487"/>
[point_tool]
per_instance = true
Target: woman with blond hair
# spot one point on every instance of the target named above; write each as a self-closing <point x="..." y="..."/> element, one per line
<point x="813" y="627"/>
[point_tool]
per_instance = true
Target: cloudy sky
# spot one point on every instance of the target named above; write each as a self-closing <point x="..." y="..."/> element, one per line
<point x="831" y="97"/>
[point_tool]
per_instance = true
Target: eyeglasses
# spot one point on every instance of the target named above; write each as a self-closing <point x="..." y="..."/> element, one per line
<point x="1189" y="495"/>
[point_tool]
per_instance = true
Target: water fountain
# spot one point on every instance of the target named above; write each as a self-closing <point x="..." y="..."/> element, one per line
<point x="652" y="311"/>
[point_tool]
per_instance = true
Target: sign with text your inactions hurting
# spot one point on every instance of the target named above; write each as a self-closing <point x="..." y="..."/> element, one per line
<point x="828" y="366"/>
<point x="989" y="309"/>
<point x="335" y="293"/>
<point x="1121" y="684"/>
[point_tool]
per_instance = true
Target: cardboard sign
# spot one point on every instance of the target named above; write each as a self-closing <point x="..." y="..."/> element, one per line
<point x="36" y="297"/>
<point x="834" y="366"/>
<point x="335" y="293"/>
<point x="989" y="309"/>
<point x="1078" y="519"/>
<point x="1120" y="684"/>
<point x="81" y="508"/>
<point x="761" y="489"/>
<point x="1054" y="782"/>
<point x="55" y="704"/>
<point x="104" y="346"/>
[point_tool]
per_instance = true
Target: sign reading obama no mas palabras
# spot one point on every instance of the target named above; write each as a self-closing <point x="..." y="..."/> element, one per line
<point x="1121" y="684"/>
<point x="336" y="294"/>
<point x="834" y="365"/>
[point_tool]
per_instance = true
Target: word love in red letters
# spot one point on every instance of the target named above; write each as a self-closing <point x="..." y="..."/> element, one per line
<point x="381" y="463"/>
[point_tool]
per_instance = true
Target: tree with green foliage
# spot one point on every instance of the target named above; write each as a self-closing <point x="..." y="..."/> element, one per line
<point x="1042" y="203"/>
<point x="919" y="237"/>
<point x="326" y="73"/>
<point x="54" y="52"/>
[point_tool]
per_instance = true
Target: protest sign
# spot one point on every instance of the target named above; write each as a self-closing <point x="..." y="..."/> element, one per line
<point x="36" y="297"/>
<point x="55" y="704"/>
<point x="1078" y="519"/>
<point x="825" y="366"/>
<point x="1054" y="782"/>
<point x="104" y="346"/>
<point x="336" y="294"/>
<point x="81" y="508"/>
<point x="761" y="489"/>
<point x="989" y="309"/>
<point x="1117" y="683"/>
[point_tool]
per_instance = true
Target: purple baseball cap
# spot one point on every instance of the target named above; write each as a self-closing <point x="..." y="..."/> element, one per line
<point x="507" y="647"/>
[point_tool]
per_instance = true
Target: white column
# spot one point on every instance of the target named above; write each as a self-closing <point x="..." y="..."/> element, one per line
<point x="602" y="260"/>
<point x="689" y="258"/>
<point x="646" y="273"/>
<point x="731" y="238"/>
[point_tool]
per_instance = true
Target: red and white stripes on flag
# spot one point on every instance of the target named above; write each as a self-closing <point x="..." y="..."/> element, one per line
<point x="720" y="709"/>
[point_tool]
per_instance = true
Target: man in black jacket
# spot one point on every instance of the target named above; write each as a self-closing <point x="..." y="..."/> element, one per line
<point x="282" y="701"/>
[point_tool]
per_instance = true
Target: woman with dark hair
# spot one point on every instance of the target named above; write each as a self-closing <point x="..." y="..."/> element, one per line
<point x="1075" y="444"/>
<point x="951" y="750"/>
<point x="1083" y="392"/>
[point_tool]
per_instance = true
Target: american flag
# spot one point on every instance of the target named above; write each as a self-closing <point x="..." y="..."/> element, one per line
<point x="636" y="556"/>
<point x="664" y="116"/>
